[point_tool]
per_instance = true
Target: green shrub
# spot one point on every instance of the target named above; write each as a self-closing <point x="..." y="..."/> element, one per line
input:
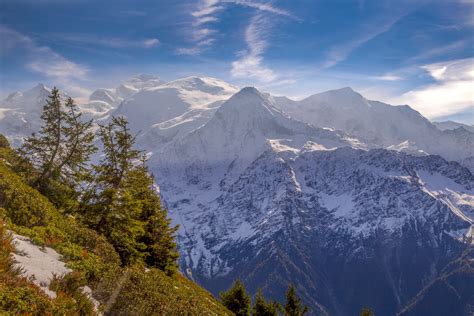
<point x="24" y="205"/>
<point x="153" y="292"/>
<point x="4" y="142"/>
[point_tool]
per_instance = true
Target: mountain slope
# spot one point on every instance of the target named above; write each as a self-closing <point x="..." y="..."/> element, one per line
<point x="92" y="260"/>
<point x="152" y="105"/>
<point x="271" y="200"/>
<point x="332" y="221"/>
<point x="380" y="124"/>
<point x="20" y="113"/>
<point x="450" y="125"/>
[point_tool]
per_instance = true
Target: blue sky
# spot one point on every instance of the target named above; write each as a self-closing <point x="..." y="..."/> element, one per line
<point x="398" y="51"/>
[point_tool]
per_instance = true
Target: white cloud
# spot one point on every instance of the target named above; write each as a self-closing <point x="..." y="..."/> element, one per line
<point x="262" y="7"/>
<point x="109" y="42"/>
<point x="151" y="42"/>
<point x="439" y="51"/>
<point x="43" y="60"/>
<point x="339" y="53"/>
<point x="250" y="62"/>
<point x="206" y="8"/>
<point x="452" y="92"/>
<point x="387" y="77"/>
<point x="202" y="35"/>
<point x="195" y="50"/>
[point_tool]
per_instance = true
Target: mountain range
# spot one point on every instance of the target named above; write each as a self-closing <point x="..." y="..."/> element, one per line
<point x="357" y="202"/>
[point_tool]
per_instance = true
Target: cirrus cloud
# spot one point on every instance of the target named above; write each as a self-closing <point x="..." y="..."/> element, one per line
<point x="44" y="60"/>
<point x="451" y="93"/>
<point x="250" y="62"/>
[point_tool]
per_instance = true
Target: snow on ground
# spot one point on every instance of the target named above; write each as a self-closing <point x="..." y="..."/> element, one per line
<point x="41" y="264"/>
<point x="457" y="197"/>
<point x="38" y="264"/>
<point x="242" y="232"/>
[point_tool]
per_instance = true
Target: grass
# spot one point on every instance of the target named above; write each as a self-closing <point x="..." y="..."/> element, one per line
<point x="93" y="260"/>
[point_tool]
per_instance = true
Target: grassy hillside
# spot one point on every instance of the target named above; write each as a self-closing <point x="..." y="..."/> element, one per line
<point x="128" y="291"/>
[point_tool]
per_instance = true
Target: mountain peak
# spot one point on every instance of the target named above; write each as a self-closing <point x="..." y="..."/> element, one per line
<point x="37" y="90"/>
<point x="39" y="87"/>
<point x="145" y="77"/>
<point x="250" y="93"/>
<point x="247" y="104"/>
<point x="13" y="95"/>
<point x="249" y="90"/>
<point x="344" y="95"/>
<point x="208" y="85"/>
<point x="345" y="91"/>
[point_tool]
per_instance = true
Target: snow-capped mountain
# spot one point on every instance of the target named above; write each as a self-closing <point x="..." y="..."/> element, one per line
<point x="348" y="226"/>
<point x="104" y="101"/>
<point x="20" y="113"/>
<point x="380" y="124"/>
<point x="335" y="193"/>
<point x="271" y="200"/>
<point x="450" y="125"/>
<point x="176" y="101"/>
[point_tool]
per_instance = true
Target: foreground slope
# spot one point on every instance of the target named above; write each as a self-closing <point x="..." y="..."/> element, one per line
<point x="91" y="260"/>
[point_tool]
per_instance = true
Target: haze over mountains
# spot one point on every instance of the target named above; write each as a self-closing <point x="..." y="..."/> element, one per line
<point x="356" y="201"/>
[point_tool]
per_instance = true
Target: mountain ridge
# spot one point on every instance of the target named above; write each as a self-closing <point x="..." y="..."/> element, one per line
<point x="273" y="191"/>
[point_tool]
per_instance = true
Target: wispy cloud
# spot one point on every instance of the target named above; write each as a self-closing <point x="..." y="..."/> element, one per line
<point x="112" y="42"/>
<point x="201" y="33"/>
<point x="44" y="60"/>
<point x="265" y="7"/>
<point x="206" y="13"/>
<point x="387" y="77"/>
<point x="250" y="62"/>
<point x="438" y="51"/>
<point x="339" y="53"/>
<point x="451" y="93"/>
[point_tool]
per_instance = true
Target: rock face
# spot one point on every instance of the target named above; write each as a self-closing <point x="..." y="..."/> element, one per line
<point x="337" y="194"/>
<point x="263" y="197"/>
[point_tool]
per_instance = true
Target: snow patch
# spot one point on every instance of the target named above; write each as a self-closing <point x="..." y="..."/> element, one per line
<point x="38" y="264"/>
<point x="342" y="205"/>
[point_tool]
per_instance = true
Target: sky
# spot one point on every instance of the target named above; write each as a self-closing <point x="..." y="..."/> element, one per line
<point x="412" y="52"/>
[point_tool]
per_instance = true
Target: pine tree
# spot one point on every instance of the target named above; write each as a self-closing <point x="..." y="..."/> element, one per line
<point x="124" y="205"/>
<point x="236" y="299"/>
<point x="118" y="149"/>
<point x="294" y="306"/>
<point x="79" y="145"/>
<point x="60" y="152"/>
<point x="159" y="235"/>
<point x="43" y="150"/>
<point x="366" y="312"/>
<point x="107" y="185"/>
<point x="263" y="308"/>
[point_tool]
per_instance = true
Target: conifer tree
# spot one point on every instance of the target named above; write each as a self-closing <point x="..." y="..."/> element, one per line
<point x="366" y="312"/>
<point x="263" y="308"/>
<point x="159" y="235"/>
<point x="60" y="152"/>
<point x="79" y="144"/>
<point x="124" y="205"/>
<point x="236" y="299"/>
<point x="294" y="306"/>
